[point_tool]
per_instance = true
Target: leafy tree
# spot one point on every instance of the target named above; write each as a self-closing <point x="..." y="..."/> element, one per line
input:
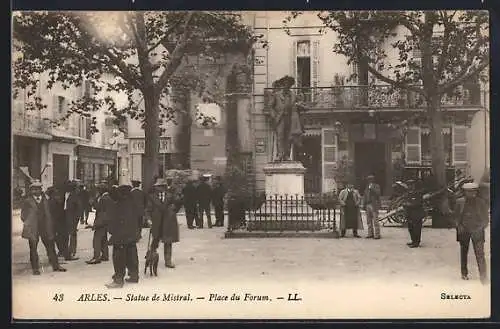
<point x="147" y="54"/>
<point x="454" y="48"/>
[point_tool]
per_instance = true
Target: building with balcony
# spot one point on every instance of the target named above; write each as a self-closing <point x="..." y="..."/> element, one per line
<point x="351" y="125"/>
<point x="56" y="153"/>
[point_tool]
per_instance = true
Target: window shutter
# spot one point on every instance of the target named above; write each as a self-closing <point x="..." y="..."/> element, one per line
<point x="413" y="146"/>
<point x="459" y="139"/>
<point x="315" y="66"/>
<point x="329" y="158"/>
<point x="294" y="60"/>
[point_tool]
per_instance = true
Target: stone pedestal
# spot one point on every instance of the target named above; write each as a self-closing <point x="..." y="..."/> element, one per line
<point x="285" y="207"/>
<point x="285" y="179"/>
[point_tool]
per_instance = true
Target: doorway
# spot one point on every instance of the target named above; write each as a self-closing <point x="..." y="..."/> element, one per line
<point x="60" y="169"/>
<point x="370" y="158"/>
<point x="309" y="154"/>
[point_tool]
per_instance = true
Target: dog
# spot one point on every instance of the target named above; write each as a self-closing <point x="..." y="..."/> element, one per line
<point x="152" y="259"/>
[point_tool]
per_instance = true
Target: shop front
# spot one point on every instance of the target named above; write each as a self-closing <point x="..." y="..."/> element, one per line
<point x="96" y="164"/>
<point x="168" y="157"/>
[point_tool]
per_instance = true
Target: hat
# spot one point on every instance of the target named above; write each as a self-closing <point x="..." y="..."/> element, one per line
<point x="36" y="183"/>
<point x="470" y="186"/>
<point x="400" y="183"/>
<point x="160" y="182"/>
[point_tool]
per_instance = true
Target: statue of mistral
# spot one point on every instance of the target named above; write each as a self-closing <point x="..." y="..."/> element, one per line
<point x="285" y="119"/>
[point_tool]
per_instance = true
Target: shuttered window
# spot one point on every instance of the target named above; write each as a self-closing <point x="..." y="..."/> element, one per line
<point x="315" y="67"/>
<point x="413" y="146"/>
<point x="329" y="158"/>
<point x="459" y="139"/>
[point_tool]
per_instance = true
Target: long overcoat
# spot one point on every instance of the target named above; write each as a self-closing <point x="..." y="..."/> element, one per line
<point x="357" y="200"/>
<point x="103" y="210"/>
<point x="164" y="217"/>
<point x="33" y="228"/>
<point x="124" y="221"/>
<point x="73" y="211"/>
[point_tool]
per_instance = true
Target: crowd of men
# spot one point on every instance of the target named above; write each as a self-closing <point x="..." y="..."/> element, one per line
<point x="122" y="211"/>
<point x="120" y="214"/>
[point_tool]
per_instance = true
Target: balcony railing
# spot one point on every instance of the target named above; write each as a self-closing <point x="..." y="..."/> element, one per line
<point x="379" y="96"/>
<point x="29" y="122"/>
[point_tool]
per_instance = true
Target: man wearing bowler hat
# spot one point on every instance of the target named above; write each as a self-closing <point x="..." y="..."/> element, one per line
<point x="38" y="224"/>
<point x="471" y="219"/>
<point x="162" y="211"/>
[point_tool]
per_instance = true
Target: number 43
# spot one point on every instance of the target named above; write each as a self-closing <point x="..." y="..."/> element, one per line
<point x="58" y="297"/>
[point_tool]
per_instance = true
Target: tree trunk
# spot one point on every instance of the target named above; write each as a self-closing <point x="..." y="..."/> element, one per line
<point x="441" y="204"/>
<point x="152" y="137"/>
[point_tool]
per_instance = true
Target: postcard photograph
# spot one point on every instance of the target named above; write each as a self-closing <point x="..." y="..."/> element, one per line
<point x="178" y="165"/>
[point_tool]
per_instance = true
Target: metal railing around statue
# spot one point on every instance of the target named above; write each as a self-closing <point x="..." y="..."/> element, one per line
<point x="312" y="212"/>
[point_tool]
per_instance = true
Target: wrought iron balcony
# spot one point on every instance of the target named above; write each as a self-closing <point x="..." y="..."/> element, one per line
<point x="29" y="122"/>
<point x="379" y="96"/>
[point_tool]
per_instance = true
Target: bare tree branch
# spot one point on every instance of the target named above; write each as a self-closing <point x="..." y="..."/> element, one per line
<point x="395" y="83"/>
<point x="463" y="77"/>
<point x="165" y="35"/>
<point x="177" y="55"/>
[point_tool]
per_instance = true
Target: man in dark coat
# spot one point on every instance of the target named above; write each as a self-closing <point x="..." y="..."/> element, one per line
<point x="72" y="210"/>
<point x="350" y="215"/>
<point x="415" y="212"/>
<point x="38" y="223"/>
<point x="85" y="204"/>
<point x="56" y="204"/>
<point x="204" y="192"/>
<point x="162" y="211"/>
<point x="371" y="203"/>
<point x="140" y="200"/>
<point x="103" y="205"/>
<point x="218" y="194"/>
<point x="190" y="203"/>
<point x="123" y="227"/>
<point x="471" y="219"/>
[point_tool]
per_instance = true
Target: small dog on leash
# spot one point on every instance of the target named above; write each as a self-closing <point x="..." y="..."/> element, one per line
<point x="152" y="259"/>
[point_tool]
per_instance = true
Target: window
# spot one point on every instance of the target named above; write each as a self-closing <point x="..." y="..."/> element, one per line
<point x="329" y="157"/>
<point x="459" y="145"/>
<point x="303" y="64"/>
<point x="87" y="89"/>
<point x="413" y="146"/>
<point x="61" y="104"/>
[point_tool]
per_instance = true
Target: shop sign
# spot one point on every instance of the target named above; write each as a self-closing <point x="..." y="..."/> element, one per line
<point x="137" y="146"/>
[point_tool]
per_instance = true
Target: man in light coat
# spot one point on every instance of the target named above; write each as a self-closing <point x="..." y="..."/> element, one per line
<point x="471" y="219"/>
<point x="350" y="215"/>
<point x="38" y="224"/>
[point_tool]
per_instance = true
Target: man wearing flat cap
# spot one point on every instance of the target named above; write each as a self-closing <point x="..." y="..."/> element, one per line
<point x="371" y="203"/>
<point x="471" y="219"/>
<point x="415" y="212"/>
<point x="38" y="224"/>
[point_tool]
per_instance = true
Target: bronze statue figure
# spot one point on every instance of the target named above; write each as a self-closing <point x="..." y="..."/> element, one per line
<point x="285" y="119"/>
